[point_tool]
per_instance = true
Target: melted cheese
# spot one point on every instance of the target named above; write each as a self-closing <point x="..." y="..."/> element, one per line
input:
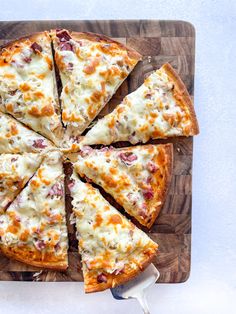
<point x="15" y="171"/>
<point x="151" y="111"/>
<point x="110" y="244"/>
<point x="38" y="213"/>
<point x="27" y="87"/>
<point x="128" y="182"/>
<point x="16" y="138"/>
<point x="90" y="74"/>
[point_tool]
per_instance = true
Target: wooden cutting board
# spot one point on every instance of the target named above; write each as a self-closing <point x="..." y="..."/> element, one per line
<point x="158" y="42"/>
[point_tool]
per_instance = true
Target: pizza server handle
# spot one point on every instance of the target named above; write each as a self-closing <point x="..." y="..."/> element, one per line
<point x="137" y="288"/>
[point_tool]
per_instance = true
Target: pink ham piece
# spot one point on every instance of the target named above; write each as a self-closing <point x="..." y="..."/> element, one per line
<point x="40" y="245"/>
<point x="36" y="47"/>
<point x="101" y="278"/>
<point x="152" y="167"/>
<point x="56" y="190"/>
<point x="148" y="193"/>
<point x="128" y="158"/>
<point x="39" y="143"/>
<point x="66" y="46"/>
<point x="63" y="35"/>
<point x="27" y="59"/>
<point x="71" y="184"/>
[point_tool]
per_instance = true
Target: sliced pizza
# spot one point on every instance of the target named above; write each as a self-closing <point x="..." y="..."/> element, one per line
<point x="159" y="108"/>
<point x="113" y="250"/>
<point x="15" y="172"/>
<point x="136" y="177"/>
<point x="91" y="67"/>
<point x="16" y="138"/>
<point x="33" y="228"/>
<point x="28" y="87"/>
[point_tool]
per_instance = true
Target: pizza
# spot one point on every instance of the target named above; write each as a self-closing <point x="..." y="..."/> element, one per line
<point x="16" y="138"/>
<point x="113" y="250"/>
<point x="15" y="172"/>
<point x="27" y="85"/>
<point x="33" y="228"/>
<point x="91" y="67"/>
<point x="136" y="177"/>
<point x="160" y="108"/>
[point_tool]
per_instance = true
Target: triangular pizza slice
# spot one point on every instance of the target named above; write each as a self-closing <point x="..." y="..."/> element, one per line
<point x="15" y="172"/>
<point x="161" y="107"/>
<point x="91" y="67"/>
<point x="113" y="250"/>
<point x="28" y="87"/>
<point x="136" y="177"/>
<point x="16" y="138"/>
<point x="33" y="228"/>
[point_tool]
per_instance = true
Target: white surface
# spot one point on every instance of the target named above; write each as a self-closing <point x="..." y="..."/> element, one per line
<point x="212" y="285"/>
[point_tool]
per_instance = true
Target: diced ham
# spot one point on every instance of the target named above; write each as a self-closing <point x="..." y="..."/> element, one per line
<point x="128" y="158"/>
<point x="106" y="149"/>
<point x="57" y="247"/>
<point x="66" y="46"/>
<point x="39" y="143"/>
<point x="40" y="245"/>
<point x="152" y="167"/>
<point x="36" y="47"/>
<point x="71" y="184"/>
<point x="27" y="59"/>
<point x="63" y="35"/>
<point x="56" y="190"/>
<point x="148" y="193"/>
<point x="101" y="278"/>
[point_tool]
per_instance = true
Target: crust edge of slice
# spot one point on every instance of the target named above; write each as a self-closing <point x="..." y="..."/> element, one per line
<point x="17" y="254"/>
<point x="169" y="152"/>
<point x="115" y="280"/>
<point x="181" y="94"/>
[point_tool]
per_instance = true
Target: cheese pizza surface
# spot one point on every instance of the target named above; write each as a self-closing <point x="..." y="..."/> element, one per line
<point x="15" y="138"/>
<point x="27" y="85"/>
<point x="159" y="108"/>
<point x="33" y="228"/>
<point x="136" y="177"/>
<point x="91" y="68"/>
<point x="15" y="172"/>
<point x="113" y="250"/>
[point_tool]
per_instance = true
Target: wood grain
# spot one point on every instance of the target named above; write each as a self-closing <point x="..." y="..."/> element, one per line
<point x="159" y="42"/>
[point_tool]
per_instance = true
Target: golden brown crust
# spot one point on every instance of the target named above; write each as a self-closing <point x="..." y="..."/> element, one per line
<point x="168" y="148"/>
<point x="26" y="256"/>
<point x="91" y="284"/>
<point x="181" y="94"/>
<point x="102" y="38"/>
<point x="31" y="38"/>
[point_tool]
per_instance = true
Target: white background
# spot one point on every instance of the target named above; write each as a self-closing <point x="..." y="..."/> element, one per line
<point x="212" y="284"/>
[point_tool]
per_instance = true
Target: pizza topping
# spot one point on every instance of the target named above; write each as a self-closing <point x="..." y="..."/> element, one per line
<point x="27" y="59"/>
<point x="39" y="143"/>
<point x="148" y="193"/>
<point x="85" y="151"/>
<point x="40" y="245"/>
<point x="101" y="278"/>
<point x="71" y="183"/>
<point x="152" y="167"/>
<point x="56" y="190"/>
<point x="36" y="47"/>
<point x="63" y="35"/>
<point x="128" y="158"/>
<point x="66" y="46"/>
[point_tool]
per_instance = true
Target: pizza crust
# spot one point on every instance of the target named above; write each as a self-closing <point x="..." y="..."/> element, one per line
<point x="181" y="95"/>
<point x="27" y="256"/>
<point x="133" y="54"/>
<point x="91" y="284"/>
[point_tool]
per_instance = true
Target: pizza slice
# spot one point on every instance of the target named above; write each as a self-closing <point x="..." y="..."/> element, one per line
<point x="136" y="177"/>
<point x="91" y="67"/>
<point x="159" y="108"/>
<point x="15" y="172"/>
<point x="113" y="250"/>
<point x="27" y="85"/>
<point x="33" y="228"/>
<point x="16" y="138"/>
